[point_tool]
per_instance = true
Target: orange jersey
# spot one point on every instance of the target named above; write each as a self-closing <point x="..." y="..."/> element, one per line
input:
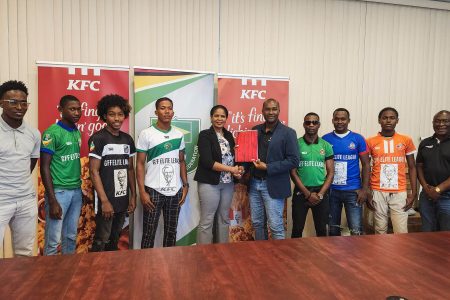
<point x="389" y="161"/>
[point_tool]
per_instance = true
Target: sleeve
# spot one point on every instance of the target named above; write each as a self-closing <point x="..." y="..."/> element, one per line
<point x="143" y="142"/>
<point x="419" y="158"/>
<point x="37" y="144"/>
<point x="182" y="144"/>
<point x="362" y="145"/>
<point x="410" y="148"/>
<point x="96" y="146"/>
<point x="132" y="146"/>
<point x="48" y="143"/>
<point x="328" y="150"/>
<point x="204" y="150"/>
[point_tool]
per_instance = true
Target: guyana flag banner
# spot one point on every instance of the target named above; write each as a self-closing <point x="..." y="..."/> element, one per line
<point x="192" y="94"/>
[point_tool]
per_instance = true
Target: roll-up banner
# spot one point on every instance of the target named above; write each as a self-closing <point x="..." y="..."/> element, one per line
<point x="192" y="94"/>
<point x="88" y="83"/>
<point x="244" y="95"/>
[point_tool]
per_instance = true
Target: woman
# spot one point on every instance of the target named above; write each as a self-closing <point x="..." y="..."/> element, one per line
<point x="214" y="175"/>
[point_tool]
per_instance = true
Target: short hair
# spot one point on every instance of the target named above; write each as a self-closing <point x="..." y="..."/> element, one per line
<point x="271" y="100"/>
<point x="312" y="114"/>
<point x="12" y="85"/>
<point x="388" y="109"/>
<point x="441" y="112"/>
<point x="216" y="107"/>
<point x="161" y="100"/>
<point x="112" y="100"/>
<point x="342" y="109"/>
<point x="67" y="98"/>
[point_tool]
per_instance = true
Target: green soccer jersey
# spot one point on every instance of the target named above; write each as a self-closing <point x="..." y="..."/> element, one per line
<point x="311" y="168"/>
<point x="63" y="143"/>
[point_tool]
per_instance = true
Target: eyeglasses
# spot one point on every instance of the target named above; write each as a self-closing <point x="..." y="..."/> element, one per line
<point x="14" y="102"/>
<point x="307" y="123"/>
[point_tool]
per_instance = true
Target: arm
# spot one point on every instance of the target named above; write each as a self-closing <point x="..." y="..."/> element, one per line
<point x="365" y="175"/>
<point x="291" y="156"/>
<point x="329" y="164"/>
<point x="33" y="162"/>
<point x="312" y="198"/>
<point x="430" y="190"/>
<point x="146" y="201"/>
<point x="55" y="210"/>
<point x="132" y="184"/>
<point x="94" y="171"/>
<point x="183" y="175"/>
<point x="413" y="181"/>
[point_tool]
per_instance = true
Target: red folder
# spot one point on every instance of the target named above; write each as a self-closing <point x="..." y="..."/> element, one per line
<point x="247" y="150"/>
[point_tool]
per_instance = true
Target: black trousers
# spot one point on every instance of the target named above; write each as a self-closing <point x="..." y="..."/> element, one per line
<point x="107" y="232"/>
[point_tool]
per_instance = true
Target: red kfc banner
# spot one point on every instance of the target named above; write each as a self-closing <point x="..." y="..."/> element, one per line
<point x="244" y="96"/>
<point x="88" y="83"/>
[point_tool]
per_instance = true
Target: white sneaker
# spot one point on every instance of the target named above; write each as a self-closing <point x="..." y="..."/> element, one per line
<point x="411" y="212"/>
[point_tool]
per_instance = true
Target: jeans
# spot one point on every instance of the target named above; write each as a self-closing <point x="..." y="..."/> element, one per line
<point x="435" y="214"/>
<point x="64" y="230"/>
<point x="107" y="232"/>
<point x="215" y="202"/>
<point x="353" y="211"/>
<point x="263" y="206"/>
<point x="300" y="207"/>
<point x="20" y="214"/>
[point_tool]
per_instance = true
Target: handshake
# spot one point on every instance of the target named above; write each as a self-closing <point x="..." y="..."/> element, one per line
<point x="237" y="171"/>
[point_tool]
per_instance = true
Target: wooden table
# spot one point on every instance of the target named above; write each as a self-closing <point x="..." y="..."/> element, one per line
<point x="415" y="265"/>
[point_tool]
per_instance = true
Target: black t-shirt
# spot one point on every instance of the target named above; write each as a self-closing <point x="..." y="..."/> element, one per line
<point x="264" y="139"/>
<point x="114" y="153"/>
<point x="435" y="157"/>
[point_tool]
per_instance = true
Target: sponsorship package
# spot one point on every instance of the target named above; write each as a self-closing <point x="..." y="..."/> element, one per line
<point x="192" y="94"/>
<point x="244" y="96"/>
<point x="88" y="83"/>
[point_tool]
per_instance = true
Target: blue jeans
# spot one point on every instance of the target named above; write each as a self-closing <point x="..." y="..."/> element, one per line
<point x="262" y="206"/>
<point x="435" y="215"/>
<point x="353" y="211"/>
<point x="64" y="230"/>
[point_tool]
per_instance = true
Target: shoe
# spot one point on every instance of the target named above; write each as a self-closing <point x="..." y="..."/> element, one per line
<point x="411" y="212"/>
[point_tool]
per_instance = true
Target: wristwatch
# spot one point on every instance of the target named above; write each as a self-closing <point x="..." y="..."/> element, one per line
<point x="186" y="184"/>
<point x="320" y="196"/>
<point x="438" y="190"/>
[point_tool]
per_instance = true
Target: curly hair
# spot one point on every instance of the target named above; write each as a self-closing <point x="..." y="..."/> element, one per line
<point x="12" y="85"/>
<point x="112" y="100"/>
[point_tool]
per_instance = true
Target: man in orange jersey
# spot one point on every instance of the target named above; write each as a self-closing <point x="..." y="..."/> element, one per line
<point x="391" y="152"/>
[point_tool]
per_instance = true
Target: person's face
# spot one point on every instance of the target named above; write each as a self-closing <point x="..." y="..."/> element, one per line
<point x="121" y="177"/>
<point x="15" y="111"/>
<point x="164" y="111"/>
<point x="271" y="111"/>
<point x="311" y="125"/>
<point x="218" y="118"/>
<point x="115" y="117"/>
<point x="71" y="111"/>
<point x="389" y="172"/>
<point x="340" y="121"/>
<point x="441" y="124"/>
<point x="388" y="120"/>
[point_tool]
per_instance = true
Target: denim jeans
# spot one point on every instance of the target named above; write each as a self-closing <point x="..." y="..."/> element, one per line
<point x="300" y="208"/>
<point x="262" y="208"/>
<point x="435" y="214"/>
<point x="353" y="211"/>
<point x="107" y="232"/>
<point x="64" y="230"/>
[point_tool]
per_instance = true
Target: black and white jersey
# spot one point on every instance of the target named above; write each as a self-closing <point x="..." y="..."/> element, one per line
<point x="114" y="153"/>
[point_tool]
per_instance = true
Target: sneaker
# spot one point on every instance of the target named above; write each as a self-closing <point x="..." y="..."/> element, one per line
<point x="411" y="212"/>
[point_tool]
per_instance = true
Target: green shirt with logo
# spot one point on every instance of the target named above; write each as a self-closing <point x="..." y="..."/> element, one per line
<point x="311" y="168"/>
<point x="63" y="143"/>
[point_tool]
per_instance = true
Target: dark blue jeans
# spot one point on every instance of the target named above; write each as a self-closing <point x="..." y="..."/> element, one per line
<point x="435" y="215"/>
<point x="353" y="211"/>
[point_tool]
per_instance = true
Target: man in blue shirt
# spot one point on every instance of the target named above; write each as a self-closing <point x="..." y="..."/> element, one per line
<point x="349" y="148"/>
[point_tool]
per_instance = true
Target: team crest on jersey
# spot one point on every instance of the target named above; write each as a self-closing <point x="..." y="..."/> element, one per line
<point x="92" y="146"/>
<point x="352" y="146"/>
<point x="46" y="139"/>
<point x="400" y="146"/>
<point x="168" y="146"/>
<point x="126" y="149"/>
<point x="322" y="151"/>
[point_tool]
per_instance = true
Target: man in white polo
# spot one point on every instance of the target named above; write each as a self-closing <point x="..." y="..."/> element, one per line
<point x="19" y="152"/>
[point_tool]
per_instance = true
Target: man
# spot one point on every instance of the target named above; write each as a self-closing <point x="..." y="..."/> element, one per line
<point x="391" y="153"/>
<point x="312" y="179"/>
<point x="111" y="168"/>
<point x="60" y="172"/>
<point x="270" y="184"/>
<point x="19" y="152"/>
<point x="433" y="170"/>
<point x="349" y="149"/>
<point x="163" y="186"/>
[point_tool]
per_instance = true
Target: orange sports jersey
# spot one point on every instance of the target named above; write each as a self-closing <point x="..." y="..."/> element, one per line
<point x="389" y="161"/>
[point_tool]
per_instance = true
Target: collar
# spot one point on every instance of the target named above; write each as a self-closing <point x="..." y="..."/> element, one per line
<point x="263" y="127"/>
<point x="342" y="135"/>
<point x="434" y="138"/>
<point x="316" y="141"/>
<point x="61" y="124"/>
<point x="387" y="137"/>
<point x="5" y="126"/>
